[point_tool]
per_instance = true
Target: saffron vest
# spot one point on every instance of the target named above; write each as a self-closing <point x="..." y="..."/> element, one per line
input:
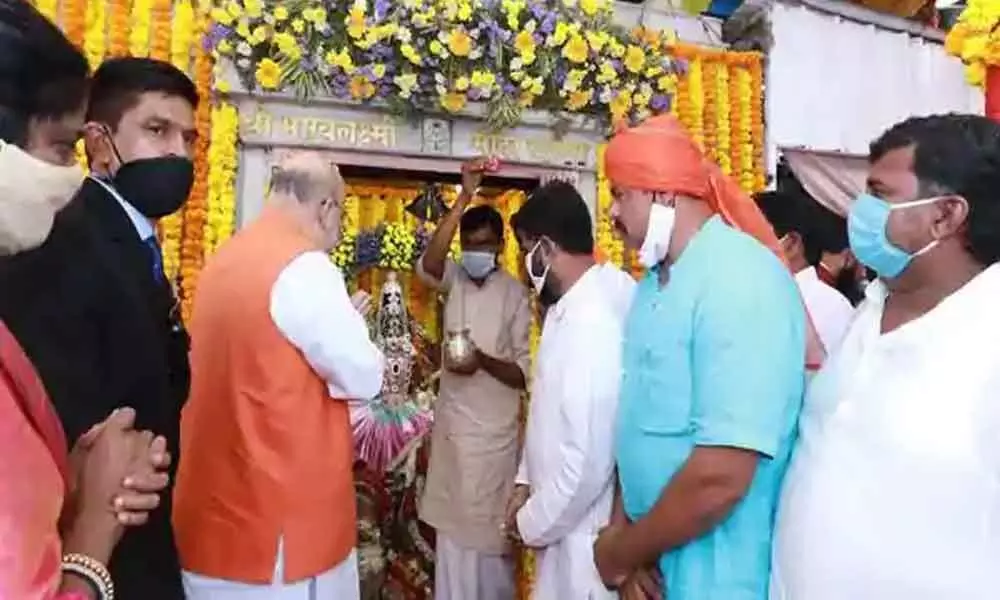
<point x="266" y="453"/>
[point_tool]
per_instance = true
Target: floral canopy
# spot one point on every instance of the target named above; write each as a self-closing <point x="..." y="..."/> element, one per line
<point x="562" y="56"/>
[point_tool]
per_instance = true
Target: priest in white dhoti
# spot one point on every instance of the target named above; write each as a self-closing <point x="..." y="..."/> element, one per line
<point x="565" y="483"/>
<point x="893" y="492"/>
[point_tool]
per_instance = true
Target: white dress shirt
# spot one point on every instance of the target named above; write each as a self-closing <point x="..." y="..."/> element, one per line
<point x="893" y="492"/>
<point x="311" y="308"/>
<point x="830" y="311"/>
<point x="619" y="287"/>
<point x="568" y="459"/>
<point x="143" y="226"/>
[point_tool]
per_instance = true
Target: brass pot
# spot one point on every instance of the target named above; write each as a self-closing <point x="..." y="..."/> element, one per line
<point x="458" y="347"/>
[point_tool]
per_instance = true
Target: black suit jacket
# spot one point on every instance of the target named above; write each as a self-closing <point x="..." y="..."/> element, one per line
<point x="103" y="334"/>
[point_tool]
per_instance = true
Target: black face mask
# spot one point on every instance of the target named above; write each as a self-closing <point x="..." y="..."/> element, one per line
<point x="156" y="187"/>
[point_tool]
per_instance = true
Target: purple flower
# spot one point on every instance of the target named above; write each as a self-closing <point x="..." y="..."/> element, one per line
<point x="381" y="8"/>
<point x="509" y="88"/>
<point x="475" y="94"/>
<point x="367" y="247"/>
<point x="215" y="34"/>
<point x="549" y="24"/>
<point x="538" y="10"/>
<point x="660" y="103"/>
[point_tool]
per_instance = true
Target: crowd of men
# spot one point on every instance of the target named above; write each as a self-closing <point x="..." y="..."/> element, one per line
<point x="730" y="427"/>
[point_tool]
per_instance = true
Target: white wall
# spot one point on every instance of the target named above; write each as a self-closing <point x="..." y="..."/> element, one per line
<point x="834" y="83"/>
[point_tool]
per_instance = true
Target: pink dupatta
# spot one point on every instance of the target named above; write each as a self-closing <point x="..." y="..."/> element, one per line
<point x="33" y="481"/>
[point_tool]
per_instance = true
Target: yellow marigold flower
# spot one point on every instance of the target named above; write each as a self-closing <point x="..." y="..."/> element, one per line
<point x="253" y="8"/>
<point x="222" y="17"/>
<point x="356" y="22"/>
<point x="378" y="69"/>
<point x="635" y="59"/>
<point x="268" y="74"/>
<point x="280" y="13"/>
<point x="620" y="105"/>
<point x="597" y="39"/>
<point x="975" y="73"/>
<point x="224" y="47"/>
<point x="259" y="35"/>
<point x="453" y="101"/>
<point x="579" y="99"/>
<point x="524" y="42"/>
<point x="483" y="79"/>
<point x="437" y="48"/>
<point x="667" y="83"/>
<point x="459" y="42"/>
<point x="410" y="53"/>
<point x="589" y="7"/>
<point x="298" y="25"/>
<point x="576" y="49"/>
<point x="360" y="88"/>
<point x="462" y="83"/>
<point x="526" y="99"/>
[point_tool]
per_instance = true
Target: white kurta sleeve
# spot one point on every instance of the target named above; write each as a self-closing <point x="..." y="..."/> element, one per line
<point x="311" y="308"/>
<point x="589" y="401"/>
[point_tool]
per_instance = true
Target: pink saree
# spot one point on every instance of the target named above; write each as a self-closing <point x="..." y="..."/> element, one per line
<point x="33" y="481"/>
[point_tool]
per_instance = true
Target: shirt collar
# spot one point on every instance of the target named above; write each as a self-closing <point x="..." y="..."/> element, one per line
<point x="806" y="275"/>
<point x="577" y="292"/>
<point x="143" y="226"/>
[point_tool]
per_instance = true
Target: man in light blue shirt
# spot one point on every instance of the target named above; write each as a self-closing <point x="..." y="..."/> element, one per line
<point x="714" y="368"/>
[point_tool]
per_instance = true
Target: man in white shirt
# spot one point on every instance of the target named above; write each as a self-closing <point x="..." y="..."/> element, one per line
<point x="893" y="489"/>
<point x="565" y="482"/>
<point x="264" y="505"/>
<point x="799" y="223"/>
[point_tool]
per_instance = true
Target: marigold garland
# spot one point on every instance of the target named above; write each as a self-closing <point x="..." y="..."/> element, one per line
<point x="161" y="18"/>
<point x="975" y="39"/>
<point x="74" y="20"/>
<point x="49" y="8"/>
<point x="93" y="37"/>
<point x="118" y="24"/>
<point x="138" y="37"/>
<point x="222" y="165"/>
<point x="192" y="251"/>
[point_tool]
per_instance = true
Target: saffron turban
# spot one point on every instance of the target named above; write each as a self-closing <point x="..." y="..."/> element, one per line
<point x="658" y="155"/>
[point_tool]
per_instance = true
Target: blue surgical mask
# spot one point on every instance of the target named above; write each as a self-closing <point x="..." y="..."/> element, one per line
<point x="478" y="264"/>
<point x="866" y="229"/>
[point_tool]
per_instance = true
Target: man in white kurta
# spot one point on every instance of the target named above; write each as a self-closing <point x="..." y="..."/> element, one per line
<point x="567" y="468"/>
<point x="893" y="492"/>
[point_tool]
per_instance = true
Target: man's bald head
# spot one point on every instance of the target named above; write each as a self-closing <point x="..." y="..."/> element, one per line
<point x="309" y="186"/>
<point x="308" y="177"/>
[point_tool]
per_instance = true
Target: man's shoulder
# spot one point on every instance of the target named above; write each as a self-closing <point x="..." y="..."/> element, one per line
<point x="513" y="288"/>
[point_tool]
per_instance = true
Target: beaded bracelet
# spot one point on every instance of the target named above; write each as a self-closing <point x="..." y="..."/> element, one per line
<point x="93" y="572"/>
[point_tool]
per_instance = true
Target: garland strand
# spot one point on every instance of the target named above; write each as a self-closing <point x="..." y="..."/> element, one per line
<point x="93" y="37"/>
<point x="192" y="250"/>
<point x="138" y="37"/>
<point x="118" y="24"/>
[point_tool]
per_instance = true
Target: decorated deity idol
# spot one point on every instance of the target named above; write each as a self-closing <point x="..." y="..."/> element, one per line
<point x="395" y="550"/>
<point x="387" y="427"/>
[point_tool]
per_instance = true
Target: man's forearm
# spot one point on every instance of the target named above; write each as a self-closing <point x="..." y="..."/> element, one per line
<point x="507" y="373"/>
<point x="691" y="505"/>
<point x="434" y="257"/>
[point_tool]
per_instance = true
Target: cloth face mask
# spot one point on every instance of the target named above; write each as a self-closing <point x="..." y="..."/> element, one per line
<point x="658" y="233"/>
<point x="32" y="191"/>
<point x="478" y="264"/>
<point x="866" y="231"/>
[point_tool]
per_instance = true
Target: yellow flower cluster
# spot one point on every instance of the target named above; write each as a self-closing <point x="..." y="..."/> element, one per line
<point x="398" y="247"/>
<point x="608" y="241"/>
<point x="222" y="164"/>
<point x="441" y="55"/>
<point x="975" y="39"/>
<point x="138" y="37"/>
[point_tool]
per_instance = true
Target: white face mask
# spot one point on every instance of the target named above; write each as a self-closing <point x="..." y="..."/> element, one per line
<point x="537" y="281"/>
<point x="32" y="191"/>
<point x="658" y="233"/>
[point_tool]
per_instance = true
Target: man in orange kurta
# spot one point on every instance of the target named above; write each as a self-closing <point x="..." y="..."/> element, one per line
<point x="264" y="504"/>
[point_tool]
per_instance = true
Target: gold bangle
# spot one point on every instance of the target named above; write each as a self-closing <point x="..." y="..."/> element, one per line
<point x="93" y="571"/>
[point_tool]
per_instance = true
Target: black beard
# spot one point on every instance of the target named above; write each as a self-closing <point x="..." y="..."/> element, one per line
<point x="848" y="285"/>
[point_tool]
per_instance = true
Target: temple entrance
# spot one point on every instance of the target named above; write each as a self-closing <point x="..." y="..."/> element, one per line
<point x="389" y="216"/>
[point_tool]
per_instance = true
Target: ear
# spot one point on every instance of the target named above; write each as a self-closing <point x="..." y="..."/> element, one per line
<point x="951" y="218"/>
<point x="100" y="155"/>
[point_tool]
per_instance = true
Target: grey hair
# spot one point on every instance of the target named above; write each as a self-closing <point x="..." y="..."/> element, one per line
<point x="299" y="184"/>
